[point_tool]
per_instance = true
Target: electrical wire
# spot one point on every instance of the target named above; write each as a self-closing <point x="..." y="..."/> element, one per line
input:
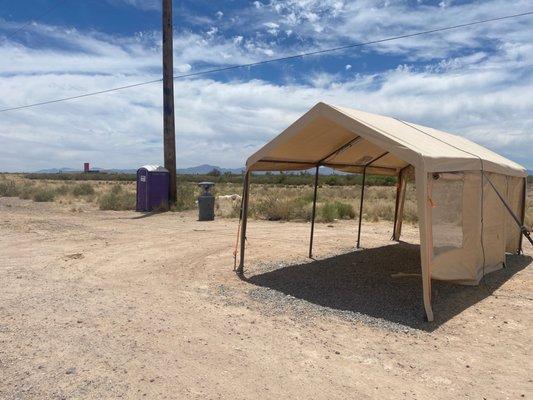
<point x="274" y="60"/>
<point x="24" y="26"/>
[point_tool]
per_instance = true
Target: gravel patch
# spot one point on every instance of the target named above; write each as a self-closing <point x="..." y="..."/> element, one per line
<point x="380" y="287"/>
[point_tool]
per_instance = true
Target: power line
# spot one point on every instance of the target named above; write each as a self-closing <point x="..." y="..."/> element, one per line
<point x="273" y="60"/>
<point x="28" y="23"/>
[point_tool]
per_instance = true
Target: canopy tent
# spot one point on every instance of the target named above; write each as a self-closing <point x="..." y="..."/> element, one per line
<point x="464" y="228"/>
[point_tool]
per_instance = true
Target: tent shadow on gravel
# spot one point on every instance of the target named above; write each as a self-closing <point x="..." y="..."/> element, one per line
<point x="364" y="282"/>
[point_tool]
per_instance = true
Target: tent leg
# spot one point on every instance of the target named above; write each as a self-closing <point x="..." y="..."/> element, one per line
<point x="245" y="200"/>
<point x="313" y="214"/>
<point x="523" y="215"/>
<point x="400" y="202"/>
<point x="363" y="195"/>
<point x="361" y="208"/>
<point x="425" y="238"/>
<point x="398" y="185"/>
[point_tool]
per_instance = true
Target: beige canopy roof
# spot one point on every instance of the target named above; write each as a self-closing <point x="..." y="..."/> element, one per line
<point x="346" y="139"/>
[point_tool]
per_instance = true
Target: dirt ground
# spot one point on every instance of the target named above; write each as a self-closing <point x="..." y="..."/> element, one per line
<point x="105" y="305"/>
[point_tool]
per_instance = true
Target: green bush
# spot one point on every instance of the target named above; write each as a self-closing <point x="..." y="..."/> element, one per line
<point x="62" y="190"/>
<point x="291" y="178"/>
<point x="117" y="199"/>
<point x="83" y="189"/>
<point x="27" y="191"/>
<point x="327" y="212"/>
<point x="274" y="208"/>
<point x="330" y="211"/>
<point x="344" y="211"/>
<point x="43" y="195"/>
<point x="185" y="197"/>
<point x="8" y="189"/>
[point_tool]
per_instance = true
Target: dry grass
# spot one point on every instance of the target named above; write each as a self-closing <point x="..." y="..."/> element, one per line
<point x="529" y="209"/>
<point x="117" y="199"/>
<point x="270" y="202"/>
<point x="62" y="192"/>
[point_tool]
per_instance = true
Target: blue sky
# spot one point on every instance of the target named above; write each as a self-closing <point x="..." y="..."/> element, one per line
<point x="477" y="82"/>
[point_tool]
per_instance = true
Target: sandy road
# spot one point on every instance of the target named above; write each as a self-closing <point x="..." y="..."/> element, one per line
<point x="104" y="305"/>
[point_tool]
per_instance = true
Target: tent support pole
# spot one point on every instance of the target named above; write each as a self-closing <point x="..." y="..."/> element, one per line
<point x="519" y="223"/>
<point x="398" y="186"/>
<point x="400" y="202"/>
<point x="244" y="211"/>
<point x="363" y="195"/>
<point x="523" y="215"/>
<point x="426" y="240"/>
<point x="313" y="214"/>
<point x="361" y="208"/>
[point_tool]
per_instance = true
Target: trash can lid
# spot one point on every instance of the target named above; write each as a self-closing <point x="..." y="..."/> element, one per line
<point x="206" y="184"/>
<point x="153" y="168"/>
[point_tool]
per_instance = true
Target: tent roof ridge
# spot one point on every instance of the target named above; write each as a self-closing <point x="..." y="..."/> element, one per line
<point x="314" y="135"/>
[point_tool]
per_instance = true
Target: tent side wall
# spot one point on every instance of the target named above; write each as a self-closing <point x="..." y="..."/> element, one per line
<point x="471" y="229"/>
<point x="515" y="196"/>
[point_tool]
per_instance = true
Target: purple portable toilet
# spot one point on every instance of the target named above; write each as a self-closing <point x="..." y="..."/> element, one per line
<point x="152" y="187"/>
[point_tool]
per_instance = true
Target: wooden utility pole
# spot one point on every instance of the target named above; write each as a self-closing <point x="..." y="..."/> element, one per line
<point x="169" y="130"/>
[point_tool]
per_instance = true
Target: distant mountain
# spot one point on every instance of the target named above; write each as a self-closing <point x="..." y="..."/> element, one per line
<point x="198" y="170"/>
<point x="57" y="170"/>
<point x="206" y="168"/>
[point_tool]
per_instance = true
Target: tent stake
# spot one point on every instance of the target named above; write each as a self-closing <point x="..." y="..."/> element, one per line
<point x="313" y="214"/>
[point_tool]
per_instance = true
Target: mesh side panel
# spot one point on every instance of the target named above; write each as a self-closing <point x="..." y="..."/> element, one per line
<point x="447" y="212"/>
<point x="514" y="199"/>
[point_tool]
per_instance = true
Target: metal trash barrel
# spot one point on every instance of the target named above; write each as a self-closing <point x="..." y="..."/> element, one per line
<point x="206" y="202"/>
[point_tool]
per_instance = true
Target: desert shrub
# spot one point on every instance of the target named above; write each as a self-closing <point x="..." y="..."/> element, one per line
<point x="381" y="192"/>
<point x="301" y="210"/>
<point x="344" y="211"/>
<point x="44" y="194"/>
<point x="185" y="197"/>
<point x="275" y="208"/>
<point x="27" y="190"/>
<point x="117" y="199"/>
<point x="410" y="212"/>
<point x="379" y="209"/>
<point x="328" y="212"/>
<point x="83" y="189"/>
<point x="62" y="190"/>
<point x="333" y="180"/>
<point x="8" y="188"/>
<point x="235" y="210"/>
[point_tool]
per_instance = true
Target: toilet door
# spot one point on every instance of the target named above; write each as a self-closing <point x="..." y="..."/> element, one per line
<point x="142" y="190"/>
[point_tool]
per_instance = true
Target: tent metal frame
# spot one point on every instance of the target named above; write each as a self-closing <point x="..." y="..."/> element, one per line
<point x="358" y="246"/>
<point x="322" y="162"/>
<point x="401" y="186"/>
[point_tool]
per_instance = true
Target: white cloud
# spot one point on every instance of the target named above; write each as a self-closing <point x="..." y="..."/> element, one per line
<point x="223" y="123"/>
<point x="272" y="28"/>
<point x="141" y="4"/>
<point x="487" y="94"/>
<point x="325" y="23"/>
